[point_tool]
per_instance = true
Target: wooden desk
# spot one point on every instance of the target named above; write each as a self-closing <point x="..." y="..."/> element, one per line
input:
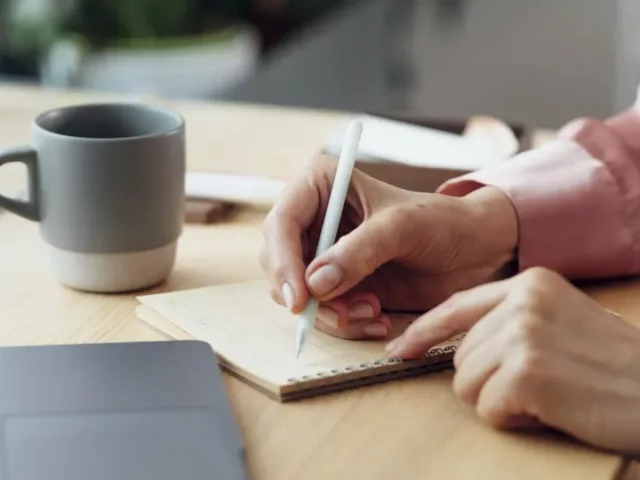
<point x="409" y="429"/>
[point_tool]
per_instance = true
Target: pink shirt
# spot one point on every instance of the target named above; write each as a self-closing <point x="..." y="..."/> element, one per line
<point x="577" y="199"/>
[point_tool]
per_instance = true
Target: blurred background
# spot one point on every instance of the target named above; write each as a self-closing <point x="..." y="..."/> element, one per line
<point x="535" y="62"/>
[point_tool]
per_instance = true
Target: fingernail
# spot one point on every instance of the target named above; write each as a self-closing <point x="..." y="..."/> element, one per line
<point x="361" y="310"/>
<point x="328" y="316"/>
<point x="375" y="330"/>
<point x="288" y="296"/>
<point x="325" y="279"/>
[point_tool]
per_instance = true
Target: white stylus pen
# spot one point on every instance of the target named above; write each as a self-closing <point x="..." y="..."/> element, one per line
<point x="331" y="221"/>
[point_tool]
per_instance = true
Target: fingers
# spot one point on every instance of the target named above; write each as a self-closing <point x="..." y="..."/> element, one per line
<point x="454" y="316"/>
<point x="491" y="325"/>
<point x="282" y="261"/>
<point x="378" y="328"/>
<point x="354" y="318"/>
<point x="282" y="256"/>
<point x="481" y="353"/>
<point x="362" y="306"/>
<point x="537" y="383"/>
<point x="500" y="400"/>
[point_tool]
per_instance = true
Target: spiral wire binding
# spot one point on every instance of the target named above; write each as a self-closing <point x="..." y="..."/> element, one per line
<point x="383" y="362"/>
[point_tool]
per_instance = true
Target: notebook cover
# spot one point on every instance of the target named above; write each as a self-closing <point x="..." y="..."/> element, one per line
<point x="254" y="339"/>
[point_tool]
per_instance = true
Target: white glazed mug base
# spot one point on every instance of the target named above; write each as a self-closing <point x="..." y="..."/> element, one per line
<point x="112" y="272"/>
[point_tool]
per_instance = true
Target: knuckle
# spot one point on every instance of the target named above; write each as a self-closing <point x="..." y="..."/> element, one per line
<point x="525" y="335"/>
<point x="279" y="216"/>
<point x="269" y="218"/>
<point x="539" y="277"/>
<point x="278" y="271"/>
<point x="462" y="389"/>
<point x="319" y="167"/>
<point x="528" y="329"/>
<point x="535" y="296"/>
<point x="276" y="268"/>
<point x="531" y="299"/>
<point x="527" y="368"/>
<point x="276" y="296"/>
<point x="276" y="218"/>
<point x="266" y="224"/>
<point x="321" y="161"/>
<point x="263" y="258"/>
<point x="458" y="386"/>
<point x="530" y="380"/>
<point x="494" y="416"/>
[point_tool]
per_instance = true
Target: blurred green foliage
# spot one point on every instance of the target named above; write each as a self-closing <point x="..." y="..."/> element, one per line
<point x="102" y="21"/>
<point x="105" y="19"/>
<point x="33" y="25"/>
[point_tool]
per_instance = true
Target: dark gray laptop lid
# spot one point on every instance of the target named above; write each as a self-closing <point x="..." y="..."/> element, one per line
<point x="149" y="410"/>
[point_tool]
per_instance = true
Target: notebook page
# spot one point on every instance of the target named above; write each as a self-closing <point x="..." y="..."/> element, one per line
<point x="394" y="141"/>
<point x="244" y="326"/>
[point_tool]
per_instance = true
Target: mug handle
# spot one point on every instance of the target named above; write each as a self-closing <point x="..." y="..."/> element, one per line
<point x="28" y="209"/>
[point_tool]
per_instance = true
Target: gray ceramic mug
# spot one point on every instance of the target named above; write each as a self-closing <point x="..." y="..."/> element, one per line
<point x="106" y="184"/>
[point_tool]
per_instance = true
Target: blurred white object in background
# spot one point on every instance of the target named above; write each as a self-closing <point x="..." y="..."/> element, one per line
<point x="190" y="67"/>
<point x="238" y="189"/>
<point x="485" y="141"/>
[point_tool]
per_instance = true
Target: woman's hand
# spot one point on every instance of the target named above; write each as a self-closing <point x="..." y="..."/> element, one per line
<point x="397" y="249"/>
<point x="539" y="351"/>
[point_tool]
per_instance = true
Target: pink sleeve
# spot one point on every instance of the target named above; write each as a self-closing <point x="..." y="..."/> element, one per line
<point x="577" y="198"/>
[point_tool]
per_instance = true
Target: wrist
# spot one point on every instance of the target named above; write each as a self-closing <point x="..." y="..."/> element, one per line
<point x="497" y="226"/>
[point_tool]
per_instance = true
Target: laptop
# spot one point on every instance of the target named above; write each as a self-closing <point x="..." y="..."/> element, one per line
<point x="127" y="411"/>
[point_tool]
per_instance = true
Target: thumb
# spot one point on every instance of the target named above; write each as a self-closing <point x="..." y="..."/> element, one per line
<point x="354" y="257"/>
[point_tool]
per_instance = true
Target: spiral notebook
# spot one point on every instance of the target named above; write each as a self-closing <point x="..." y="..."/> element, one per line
<point x="254" y="340"/>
